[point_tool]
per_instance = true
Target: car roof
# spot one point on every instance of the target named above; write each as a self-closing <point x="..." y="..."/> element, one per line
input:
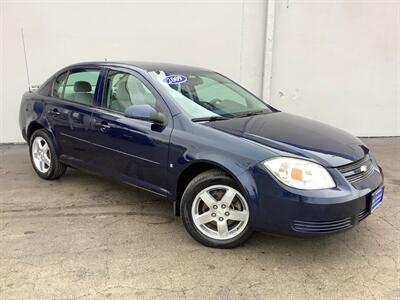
<point x="145" y="66"/>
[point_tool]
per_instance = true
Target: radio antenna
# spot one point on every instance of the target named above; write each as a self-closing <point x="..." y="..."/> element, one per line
<point x="26" y="60"/>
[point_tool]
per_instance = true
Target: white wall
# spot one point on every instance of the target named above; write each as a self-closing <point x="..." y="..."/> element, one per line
<point x="334" y="61"/>
<point x="227" y="36"/>
<point x="339" y="62"/>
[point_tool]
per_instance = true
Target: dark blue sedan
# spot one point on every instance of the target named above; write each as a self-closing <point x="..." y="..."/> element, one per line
<point x="229" y="163"/>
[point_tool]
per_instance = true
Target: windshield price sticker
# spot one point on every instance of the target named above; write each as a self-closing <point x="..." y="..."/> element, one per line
<point x="174" y="79"/>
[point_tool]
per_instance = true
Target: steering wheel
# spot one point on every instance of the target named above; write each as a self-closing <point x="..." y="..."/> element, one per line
<point x="207" y="105"/>
<point x="215" y="102"/>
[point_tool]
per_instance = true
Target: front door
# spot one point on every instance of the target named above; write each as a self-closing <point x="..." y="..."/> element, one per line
<point x="135" y="151"/>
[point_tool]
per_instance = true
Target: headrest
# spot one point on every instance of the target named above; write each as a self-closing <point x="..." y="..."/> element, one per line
<point x="82" y="87"/>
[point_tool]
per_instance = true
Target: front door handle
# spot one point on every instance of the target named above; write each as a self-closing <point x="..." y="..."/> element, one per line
<point x="54" y="112"/>
<point x="103" y="126"/>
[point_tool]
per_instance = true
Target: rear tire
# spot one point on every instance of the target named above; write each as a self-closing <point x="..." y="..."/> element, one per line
<point x="214" y="211"/>
<point x="43" y="156"/>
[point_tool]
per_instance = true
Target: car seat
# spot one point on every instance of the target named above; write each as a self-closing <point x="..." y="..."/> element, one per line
<point x="82" y="92"/>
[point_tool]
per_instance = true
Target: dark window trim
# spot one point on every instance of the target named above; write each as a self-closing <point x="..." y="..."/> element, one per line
<point x="117" y="113"/>
<point x="65" y="84"/>
<point x="54" y="82"/>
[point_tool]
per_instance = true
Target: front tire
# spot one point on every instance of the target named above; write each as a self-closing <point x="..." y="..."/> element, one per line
<point x="214" y="211"/>
<point x="43" y="156"/>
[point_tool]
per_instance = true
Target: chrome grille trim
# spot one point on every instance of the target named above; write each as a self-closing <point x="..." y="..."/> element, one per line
<point x="352" y="172"/>
<point x="354" y="165"/>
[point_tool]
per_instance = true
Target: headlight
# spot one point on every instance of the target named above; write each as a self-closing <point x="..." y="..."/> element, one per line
<point x="300" y="174"/>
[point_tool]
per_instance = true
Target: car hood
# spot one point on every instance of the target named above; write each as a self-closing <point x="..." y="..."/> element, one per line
<point x="290" y="134"/>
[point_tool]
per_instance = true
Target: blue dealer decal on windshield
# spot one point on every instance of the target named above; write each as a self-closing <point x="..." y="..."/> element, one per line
<point x="174" y="79"/>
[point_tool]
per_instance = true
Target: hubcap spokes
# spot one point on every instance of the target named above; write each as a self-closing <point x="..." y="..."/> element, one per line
<point x="41" y="154"/>
<point x="220" y="217"/>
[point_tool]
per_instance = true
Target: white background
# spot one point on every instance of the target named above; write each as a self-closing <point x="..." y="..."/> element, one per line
<point x="339" y="62"/>
<point x="334" y="61"/>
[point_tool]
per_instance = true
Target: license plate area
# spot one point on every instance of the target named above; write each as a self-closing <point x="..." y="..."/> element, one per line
<point x="376" y="199"/>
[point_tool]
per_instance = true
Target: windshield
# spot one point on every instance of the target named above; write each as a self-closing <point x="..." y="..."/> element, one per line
<point x="209" y="95"/>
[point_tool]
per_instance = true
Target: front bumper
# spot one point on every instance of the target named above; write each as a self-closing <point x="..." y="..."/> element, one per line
<point x="276" y="208"/>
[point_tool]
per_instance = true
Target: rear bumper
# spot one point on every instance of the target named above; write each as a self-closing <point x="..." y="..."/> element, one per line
<point x="283" y="210"/>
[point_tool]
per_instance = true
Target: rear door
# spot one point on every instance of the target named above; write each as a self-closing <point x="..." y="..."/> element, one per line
<point x="135" y="151"/>
<point x="69" y="112"/>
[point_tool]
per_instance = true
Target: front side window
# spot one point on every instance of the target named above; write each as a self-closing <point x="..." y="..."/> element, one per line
<point x="124" y="90"/>
<point x="204" y="94"/>
<point x="81" y="85"/>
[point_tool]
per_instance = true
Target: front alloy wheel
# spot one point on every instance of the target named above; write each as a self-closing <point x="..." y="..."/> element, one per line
<point x="214" y="211"/>
<point x="220" y="212"/>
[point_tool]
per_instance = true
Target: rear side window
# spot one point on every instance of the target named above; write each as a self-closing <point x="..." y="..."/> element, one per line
<point x="77" y="86"/>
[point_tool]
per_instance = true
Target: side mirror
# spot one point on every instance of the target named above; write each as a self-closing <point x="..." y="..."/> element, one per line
<point x="145" y="112"/>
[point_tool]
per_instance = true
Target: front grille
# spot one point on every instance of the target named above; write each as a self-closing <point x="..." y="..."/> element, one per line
<point x="362" y="215"/>
<point x="357" y="171"/>
<point x="322" y="226"/>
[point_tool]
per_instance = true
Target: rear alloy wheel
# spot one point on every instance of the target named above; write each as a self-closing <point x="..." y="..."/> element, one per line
<point x="43" y="156"/>
<point x="214" y="212"/>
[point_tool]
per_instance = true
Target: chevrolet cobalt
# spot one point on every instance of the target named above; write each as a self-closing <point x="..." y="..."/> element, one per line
<point x="229" y="163"/>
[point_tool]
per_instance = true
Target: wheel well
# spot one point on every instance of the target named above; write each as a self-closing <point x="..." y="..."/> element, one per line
<point x="187" y="175"/>
<point x="31" y="129"/>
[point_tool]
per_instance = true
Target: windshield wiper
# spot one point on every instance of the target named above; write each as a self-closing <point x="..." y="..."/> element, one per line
<point x="233" y="115"/>
<point x="250" y="113"/>
<point x="210" y="119"/>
